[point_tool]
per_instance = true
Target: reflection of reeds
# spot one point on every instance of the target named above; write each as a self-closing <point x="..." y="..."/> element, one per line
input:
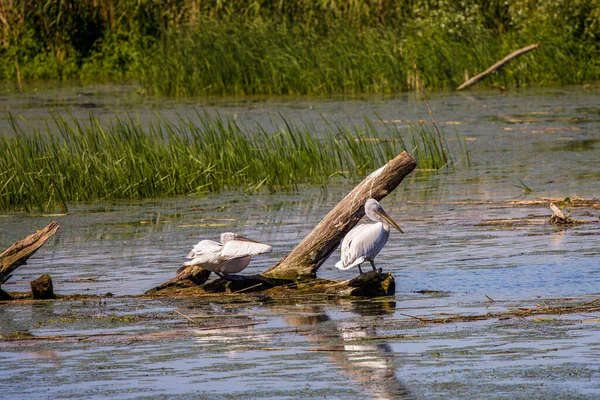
<point x="83" y="160"/>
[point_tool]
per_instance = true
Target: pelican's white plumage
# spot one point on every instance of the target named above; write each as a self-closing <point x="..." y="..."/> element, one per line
<point x="365" y="241"/>
<point x="204" y="247"/>
<point x="230" y="256"/>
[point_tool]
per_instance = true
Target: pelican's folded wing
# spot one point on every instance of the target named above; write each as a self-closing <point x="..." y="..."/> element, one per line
<point x="205" y="259"/>
<point x="242" y="247"/>
<point x="204" y="247"/>
<point x="362" y="242"/>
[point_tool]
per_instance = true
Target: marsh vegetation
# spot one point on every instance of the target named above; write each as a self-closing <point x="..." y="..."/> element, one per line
<point x="188" y="47"/>
<point x="82" y="160"/>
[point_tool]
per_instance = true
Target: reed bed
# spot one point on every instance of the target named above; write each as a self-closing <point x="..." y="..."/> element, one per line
<point x="240" y="59"/>
<point x="84" y="160"/>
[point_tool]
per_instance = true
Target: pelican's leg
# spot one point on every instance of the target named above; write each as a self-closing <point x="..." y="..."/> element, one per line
<point x="373" y="265"/>
<point x="220" y="275"/>
<point x="360" y="270"/>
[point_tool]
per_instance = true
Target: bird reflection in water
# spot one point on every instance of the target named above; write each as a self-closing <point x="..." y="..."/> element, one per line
<point x="371" y="366"/>
<point x="233" y="339"/>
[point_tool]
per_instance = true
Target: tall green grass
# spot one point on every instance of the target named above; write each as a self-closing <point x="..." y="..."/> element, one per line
<point x="77" y="160"/>
<point x="236" y="58"/>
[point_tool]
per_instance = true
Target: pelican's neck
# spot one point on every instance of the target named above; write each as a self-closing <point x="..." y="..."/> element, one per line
<point x="375" y="218"/>
<point x="372" y="216"/>
<point x="227" y="236"/>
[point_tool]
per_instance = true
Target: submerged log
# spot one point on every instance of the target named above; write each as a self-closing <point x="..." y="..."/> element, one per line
<point x="306" y="258"/>
<point x="497" y="66"/>
<point x="370" y="284"/>
<point x="295" y="274"/>
<point x="17" y="254"/>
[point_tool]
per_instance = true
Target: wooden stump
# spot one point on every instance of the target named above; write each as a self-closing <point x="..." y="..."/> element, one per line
<point x="41" y="288"/>
<point x="373" y="283"/>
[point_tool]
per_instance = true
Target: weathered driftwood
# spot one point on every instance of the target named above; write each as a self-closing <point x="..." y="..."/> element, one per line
<point x="559" y="218"/>
<point x="296" y="273"/>
<point x="306" y="258"/>
<point x="17" y="254"/>
<point x="497" y="66"/>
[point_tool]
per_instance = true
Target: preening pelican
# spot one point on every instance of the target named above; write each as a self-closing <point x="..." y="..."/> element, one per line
<point x="365" y="241"/>
<point x="230" y="256"/>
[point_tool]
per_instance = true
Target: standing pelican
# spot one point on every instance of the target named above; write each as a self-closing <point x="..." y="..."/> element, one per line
<point x="365" y="241"/>
<point x="230" y="256"/>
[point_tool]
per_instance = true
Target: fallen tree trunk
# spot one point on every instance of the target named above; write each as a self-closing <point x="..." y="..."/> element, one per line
<point x="306" y="258"/>
<point x="497" y="66"/>
<point x="17" y="254"/>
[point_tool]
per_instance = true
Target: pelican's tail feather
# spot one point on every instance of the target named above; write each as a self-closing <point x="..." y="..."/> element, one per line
<point x="192" y="262"/>
<point x="358" y="261"/>
<point x="340" y="265"/>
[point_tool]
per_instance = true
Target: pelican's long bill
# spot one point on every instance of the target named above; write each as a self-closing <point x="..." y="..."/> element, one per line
<point x="389" y="219"/>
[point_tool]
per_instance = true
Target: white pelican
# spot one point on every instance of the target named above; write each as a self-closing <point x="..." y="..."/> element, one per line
<point x="365" y="241"/>
<point x="230" y="256"/>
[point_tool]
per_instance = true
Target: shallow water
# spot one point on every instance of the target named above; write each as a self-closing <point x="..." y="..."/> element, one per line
<point x="547" y="139"/>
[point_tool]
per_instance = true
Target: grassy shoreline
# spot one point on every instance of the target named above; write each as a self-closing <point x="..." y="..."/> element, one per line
<point x="188" y="48"/>
<point x="84" y="160"/>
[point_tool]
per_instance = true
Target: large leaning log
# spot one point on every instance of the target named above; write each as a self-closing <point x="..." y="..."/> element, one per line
<point x="17" y="254"/>
<point x="306" y="258"/>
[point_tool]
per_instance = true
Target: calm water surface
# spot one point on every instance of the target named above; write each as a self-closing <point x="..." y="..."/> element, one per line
<point x="546" y="139"/>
